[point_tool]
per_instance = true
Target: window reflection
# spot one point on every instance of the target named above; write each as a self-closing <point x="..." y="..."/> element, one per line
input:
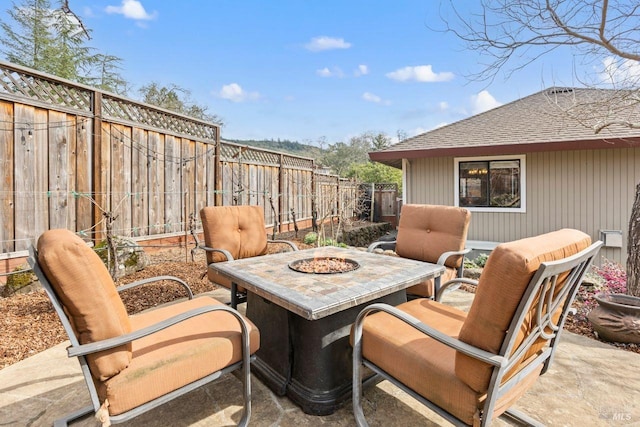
<point x="493" y="183"/>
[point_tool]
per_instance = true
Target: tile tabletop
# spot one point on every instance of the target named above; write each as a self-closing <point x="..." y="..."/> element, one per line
<point x="314" y="296"/>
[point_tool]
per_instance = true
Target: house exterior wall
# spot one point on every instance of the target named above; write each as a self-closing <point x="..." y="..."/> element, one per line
<point x="590" y="190"/>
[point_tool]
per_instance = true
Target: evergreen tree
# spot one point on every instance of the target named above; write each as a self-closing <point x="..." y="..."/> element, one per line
<point x="54" y="41"/>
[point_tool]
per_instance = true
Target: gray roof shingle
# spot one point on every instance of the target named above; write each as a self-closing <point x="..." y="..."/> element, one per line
<point x="552" y="119"/>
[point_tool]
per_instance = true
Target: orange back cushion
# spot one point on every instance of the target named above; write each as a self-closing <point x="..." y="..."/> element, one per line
<point x="238" y="229"/>
<point x="426" y="231"/>
<point x="89" y="296"/>
<point x="503" y="282"/>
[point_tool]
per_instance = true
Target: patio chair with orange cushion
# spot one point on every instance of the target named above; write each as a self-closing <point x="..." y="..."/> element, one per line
<point x="234" y="232"/>
<point x="435" y="234"/>
<point x="132" y="364"/>
<point x="472" y="367"/>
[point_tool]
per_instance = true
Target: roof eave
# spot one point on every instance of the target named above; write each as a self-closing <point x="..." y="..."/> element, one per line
<point x="392" y="157"/>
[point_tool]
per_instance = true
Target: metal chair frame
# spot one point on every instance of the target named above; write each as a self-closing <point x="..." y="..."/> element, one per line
<point x="441" y="260"/>
<point x="541" y="288"/>
<point x="238" y="297"/>
<point x="82" y="350"/>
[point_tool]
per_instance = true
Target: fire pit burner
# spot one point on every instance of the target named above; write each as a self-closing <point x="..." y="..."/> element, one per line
<point x="324" y="265"/>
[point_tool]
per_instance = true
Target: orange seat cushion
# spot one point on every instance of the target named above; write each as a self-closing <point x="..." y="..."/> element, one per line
<point x="176" y="356"/>
<point x="237" y="229"/>
<point x="421" y="363"/>
<point x="426" y="231"/>
<point x="89" y="296"/>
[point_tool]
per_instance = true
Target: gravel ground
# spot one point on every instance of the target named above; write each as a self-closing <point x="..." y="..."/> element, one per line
<point x="29" y="324"/>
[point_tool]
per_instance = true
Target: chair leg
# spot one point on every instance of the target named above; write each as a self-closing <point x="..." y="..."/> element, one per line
<point x="64" y="422"/>
<point x="236" y="297"/>
<point x="523" y="418"/>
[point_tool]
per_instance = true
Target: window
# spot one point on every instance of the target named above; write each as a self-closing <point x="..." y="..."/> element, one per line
<point x="492" y="184"/>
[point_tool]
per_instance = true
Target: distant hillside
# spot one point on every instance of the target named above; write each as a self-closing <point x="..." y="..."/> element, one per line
<point x="284" y="146"/>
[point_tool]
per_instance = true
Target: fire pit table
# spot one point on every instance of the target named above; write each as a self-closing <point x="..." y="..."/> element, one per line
<point x="305" y="318"/>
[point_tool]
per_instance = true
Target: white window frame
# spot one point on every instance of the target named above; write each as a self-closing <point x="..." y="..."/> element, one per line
<point x="523" y="182"/>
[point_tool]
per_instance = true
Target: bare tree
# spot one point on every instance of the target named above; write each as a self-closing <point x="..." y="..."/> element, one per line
<point x="603" y="35"/>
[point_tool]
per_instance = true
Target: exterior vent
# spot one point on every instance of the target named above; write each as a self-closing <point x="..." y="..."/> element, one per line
<point x="556" y="90"/>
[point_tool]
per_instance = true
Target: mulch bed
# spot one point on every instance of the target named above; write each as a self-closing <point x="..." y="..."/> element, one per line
<point x="29" y="324"/>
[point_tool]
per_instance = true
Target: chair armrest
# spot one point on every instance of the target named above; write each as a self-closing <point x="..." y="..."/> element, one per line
<point x="84" y="349"/>
<point x="224" y="252"/>
<point x="469" y="350"/>
<point x="452" y="283"/>
<point x="374" y="245"/>
<point x="294" y="247"/>
<point x="445" y="255"/>
<point x="156" y="279"/>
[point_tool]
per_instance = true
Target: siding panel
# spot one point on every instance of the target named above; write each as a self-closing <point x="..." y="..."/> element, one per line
<point x="590" y="190"/>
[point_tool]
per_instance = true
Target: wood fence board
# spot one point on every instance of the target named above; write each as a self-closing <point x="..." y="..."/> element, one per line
<point x="25" y="175"/>
<point x="126" y="206"/>
<point x="172" y="171"/>
<point x="59" y="148"/>
<point x="188" y="187"/>
<point x="83" y="174"/>
<point x="212" y="163"/>
<point x="252" y="184"/>
<point x="119" y="192"/>
<point x="227" y="184"/>
<point x="156" y="183"/>
<point x="139" y="183"/>
<point x="40" y="192"/>
<point x="72" y="214"/>
<point x="7" y="205"/>
<point x="201" y="178"/>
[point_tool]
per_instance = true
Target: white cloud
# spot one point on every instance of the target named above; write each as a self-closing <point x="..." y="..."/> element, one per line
<point x="132" y="9"/>
<point x="361" y="71"/>
<point x="318" y="44"/>
<point x="443" y="106"/>
<point x="418" y="131"/>
<point x="326" y="72"/>
<point x="234" y="93"/>
<point x="420" y="73"/>
<point x="483" y="101"/>
<point x="620" y="72"/>
<point x="370" y="97"/>
<point x="441" y="124"/>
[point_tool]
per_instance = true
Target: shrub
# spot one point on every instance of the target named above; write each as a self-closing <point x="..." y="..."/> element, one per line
<point x="481" y="260"/>
<point x="310" y="238"/>
<point x="614" y="276"/>
<point x="610" y="278"/>
<point x="17" y="281"/>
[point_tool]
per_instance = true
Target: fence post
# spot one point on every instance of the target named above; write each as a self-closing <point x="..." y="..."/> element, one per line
<point x="281" y="201"/>
<point x="217" y="178"/>
<point x="100" y="166"/>
<point x="314" y="202"/>
<point x="338" y="198"/>
<point x="373" y="198"/>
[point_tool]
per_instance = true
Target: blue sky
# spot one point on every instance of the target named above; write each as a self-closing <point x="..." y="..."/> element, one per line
<point x="307" y="70"/>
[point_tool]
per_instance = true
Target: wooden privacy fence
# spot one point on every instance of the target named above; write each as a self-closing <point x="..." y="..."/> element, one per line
<point x="76" y="157"/>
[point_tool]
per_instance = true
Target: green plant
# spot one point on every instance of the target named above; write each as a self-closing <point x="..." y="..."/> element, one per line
<point x="17" y="281"/>
<point x="481" y="260"/>
<point x="331" y="242"/>
<point x="468" y="263"/>
<point x="310" y="238"/>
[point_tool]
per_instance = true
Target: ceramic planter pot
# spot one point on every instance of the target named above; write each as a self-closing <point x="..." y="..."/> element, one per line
<point x="617" y="318"/>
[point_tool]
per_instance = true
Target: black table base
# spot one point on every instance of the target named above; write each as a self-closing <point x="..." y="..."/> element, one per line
<point x="308" y="360"/>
